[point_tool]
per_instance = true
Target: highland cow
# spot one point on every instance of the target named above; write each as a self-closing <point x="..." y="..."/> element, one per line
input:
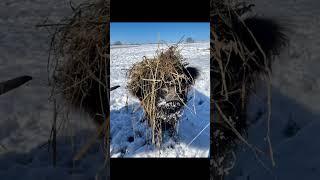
<point x="268" y="34"/>
<point x="250" y="47"/>
<point x="162" y="85"/>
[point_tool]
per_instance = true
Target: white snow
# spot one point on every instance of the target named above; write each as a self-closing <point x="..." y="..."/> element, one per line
<point x="295" y="119"/>
<point x="125" y="115"/>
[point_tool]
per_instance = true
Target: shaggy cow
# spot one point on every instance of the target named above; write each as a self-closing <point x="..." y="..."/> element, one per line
<point x="235" y="73"/>
<point x="172" y="98"/>
<point x="162" y="86"/>
<point x="268" y="34"/>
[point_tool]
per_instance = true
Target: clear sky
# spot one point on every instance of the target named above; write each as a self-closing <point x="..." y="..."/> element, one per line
<point x="148" y="32"/>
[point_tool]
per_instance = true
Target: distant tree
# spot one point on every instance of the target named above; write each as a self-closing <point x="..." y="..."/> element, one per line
<point x="189" y="40"/>
<point x="117" y="43"/>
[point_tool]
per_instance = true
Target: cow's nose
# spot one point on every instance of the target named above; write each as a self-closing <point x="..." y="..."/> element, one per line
<point x="173" y="98"/>
<point x="174" y="104"/>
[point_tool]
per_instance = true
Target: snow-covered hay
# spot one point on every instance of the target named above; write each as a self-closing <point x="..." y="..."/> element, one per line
<point x="153" y="79"/>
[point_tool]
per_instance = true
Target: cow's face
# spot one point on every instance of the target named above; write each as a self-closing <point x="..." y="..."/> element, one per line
<point x="172" y="97"/>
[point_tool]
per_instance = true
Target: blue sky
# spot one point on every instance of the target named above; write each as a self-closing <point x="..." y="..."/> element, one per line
<point x="148" y="32"/>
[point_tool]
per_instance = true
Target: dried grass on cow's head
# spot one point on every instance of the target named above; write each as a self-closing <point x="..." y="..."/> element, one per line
<point x="237" y="61"/>
<point x="77" y="68"/>
<point x="77" y="65"/>
<point x="80" y="63"/>
<point x="147" y="77"/>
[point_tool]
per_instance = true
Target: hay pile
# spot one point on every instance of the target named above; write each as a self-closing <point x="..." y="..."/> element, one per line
<point x="146" y="78"/>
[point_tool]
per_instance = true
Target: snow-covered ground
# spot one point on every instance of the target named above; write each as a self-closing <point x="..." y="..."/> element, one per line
<point x="295" y="119"/>
<point x="128" y="134"/>
<point x="25" y="112"/>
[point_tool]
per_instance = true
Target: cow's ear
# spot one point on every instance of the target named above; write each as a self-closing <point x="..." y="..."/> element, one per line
<point x="192" y="72"/>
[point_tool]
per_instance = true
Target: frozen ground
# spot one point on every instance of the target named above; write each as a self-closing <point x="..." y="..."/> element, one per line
<point x="25" y="113"/>
<point x="128" y="138"/>
<point x="295" y="120"/>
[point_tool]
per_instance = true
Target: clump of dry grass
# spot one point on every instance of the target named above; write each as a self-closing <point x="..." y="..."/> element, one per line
<point x="146" y="78"/>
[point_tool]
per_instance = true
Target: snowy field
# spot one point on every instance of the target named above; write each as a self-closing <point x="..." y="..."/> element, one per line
<point x="128" y="134"/>
<point x="295" y="119"/>
<point x="25" y="112"/>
